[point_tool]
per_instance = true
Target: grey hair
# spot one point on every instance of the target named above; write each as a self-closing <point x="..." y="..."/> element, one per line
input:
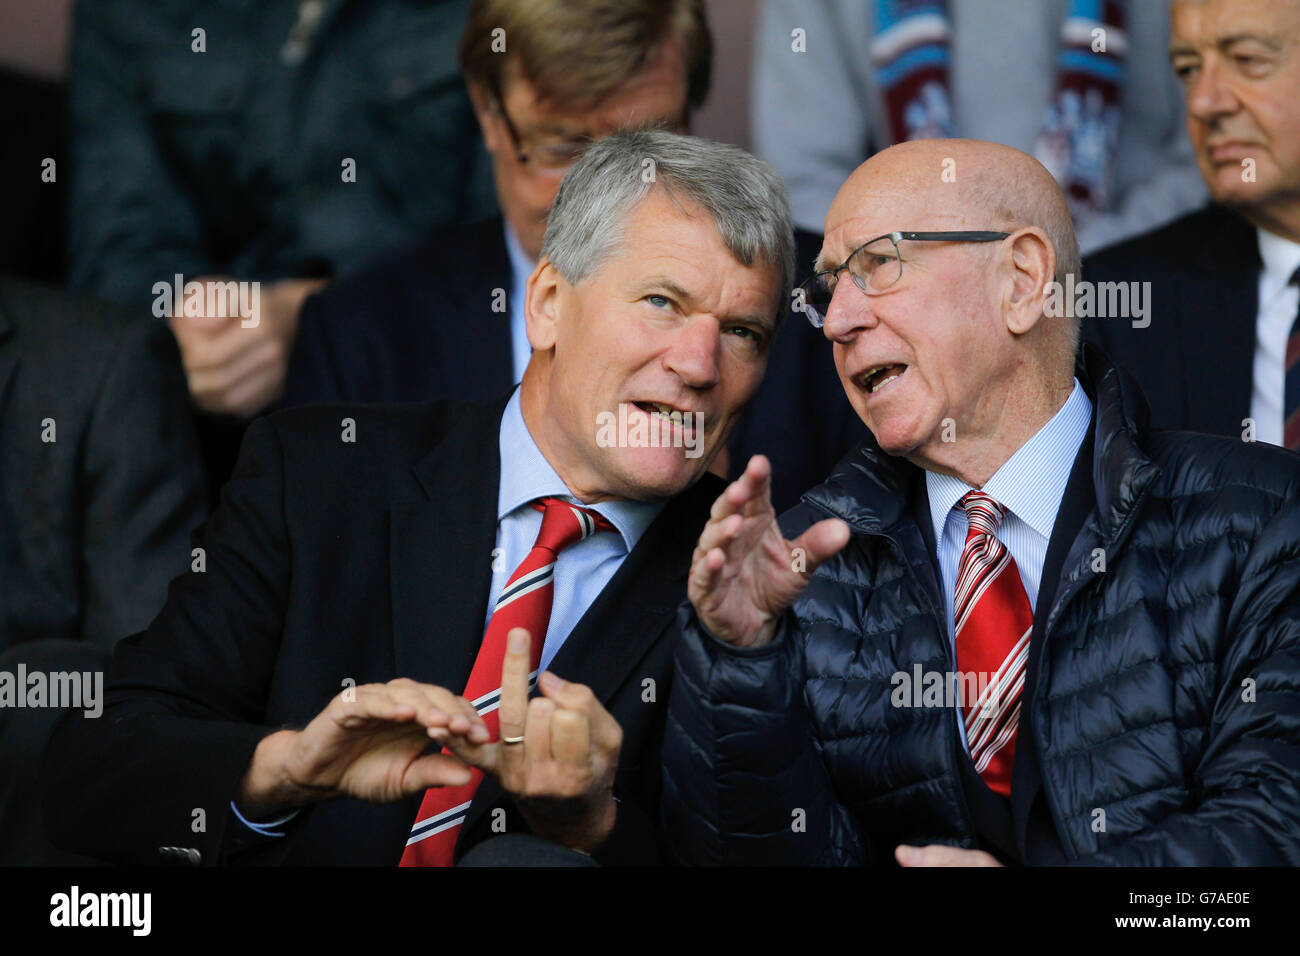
<point x="744" y="196"/>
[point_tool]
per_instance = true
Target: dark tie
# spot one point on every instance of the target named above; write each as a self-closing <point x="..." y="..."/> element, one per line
<point x="1291" y="398"/>
<point x="525" y="601"/>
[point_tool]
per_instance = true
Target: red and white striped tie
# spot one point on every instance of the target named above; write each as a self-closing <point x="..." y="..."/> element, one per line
<point x="525" y="601"/>
<point x="993" y="623"/>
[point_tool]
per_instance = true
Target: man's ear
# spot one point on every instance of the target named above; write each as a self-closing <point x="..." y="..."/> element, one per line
<point x="542" y="305"/>
<point x="1032" y="267"/>
<point x="485" y="109"/>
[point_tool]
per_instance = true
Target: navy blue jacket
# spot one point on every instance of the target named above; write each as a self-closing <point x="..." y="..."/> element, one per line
<point x="1161" y="725"/>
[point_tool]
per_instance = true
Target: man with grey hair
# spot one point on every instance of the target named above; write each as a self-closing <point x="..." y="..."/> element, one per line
<point x="1018" y="626"/>
<point x="378" y="579"/>
<point x="1217" y="346"/>
<point x="445" y="319"/>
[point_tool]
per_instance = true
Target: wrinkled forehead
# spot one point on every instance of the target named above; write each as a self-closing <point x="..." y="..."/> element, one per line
<point x="1214" y="22"/>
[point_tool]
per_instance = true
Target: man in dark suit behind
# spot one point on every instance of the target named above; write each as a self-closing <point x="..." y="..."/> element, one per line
<point x="291" y="689"/>
<point x="1217" y="350"/>
<point x="100" y="487"/>
<point x="445" y="319"/>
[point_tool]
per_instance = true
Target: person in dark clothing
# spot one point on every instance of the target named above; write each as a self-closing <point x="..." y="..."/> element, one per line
<point x="359" y="593"/>
<point x="100" y="488"/>
<point x="1217" y="349"/>
<point x="1018" y="626"/>
<point x="282" y="144"/>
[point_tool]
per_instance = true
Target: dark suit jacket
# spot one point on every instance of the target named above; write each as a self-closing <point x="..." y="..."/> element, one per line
<point x="94" y="523"/>
<point x="422" y="328"/>
<point x="331" y="561"/>
<point x="1195" y="361"/>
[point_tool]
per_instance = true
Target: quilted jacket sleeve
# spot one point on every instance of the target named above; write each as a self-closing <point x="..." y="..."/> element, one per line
<point x="1248" y="777"/>
<point x="744" y="779"/>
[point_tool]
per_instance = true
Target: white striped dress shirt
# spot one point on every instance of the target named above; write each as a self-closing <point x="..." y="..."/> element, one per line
<point x="1030" y="484"/>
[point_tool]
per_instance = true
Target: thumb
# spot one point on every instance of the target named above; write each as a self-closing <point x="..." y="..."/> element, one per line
<point x="436" y="770"/>
<point x="818" y="544"/>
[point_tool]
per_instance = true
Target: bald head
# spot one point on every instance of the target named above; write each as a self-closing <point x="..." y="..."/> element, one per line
<point x="968" y="184"/>
<point x="959" y="342"/>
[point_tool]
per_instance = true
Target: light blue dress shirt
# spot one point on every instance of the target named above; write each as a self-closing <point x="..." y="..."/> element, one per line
<point x="1030" y="485"/>
<point x="521" y="267"/>
<point x="581" y="570"/>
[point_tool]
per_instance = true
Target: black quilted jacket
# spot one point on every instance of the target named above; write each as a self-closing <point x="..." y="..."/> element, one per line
<point x="1168" y="689"/>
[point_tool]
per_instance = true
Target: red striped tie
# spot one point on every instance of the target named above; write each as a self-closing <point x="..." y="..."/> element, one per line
<point x="993" y="623"/>
<point x="1291" y="389"/>
<point x="525" y="601"/>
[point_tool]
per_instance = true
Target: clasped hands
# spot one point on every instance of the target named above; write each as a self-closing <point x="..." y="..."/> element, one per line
<point x="371" y="743"/>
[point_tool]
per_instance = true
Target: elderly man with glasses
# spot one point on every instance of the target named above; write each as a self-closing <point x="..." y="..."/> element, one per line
<point x="1017" y="626"/>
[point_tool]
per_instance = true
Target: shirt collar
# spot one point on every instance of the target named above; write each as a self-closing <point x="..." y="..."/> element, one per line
<point x="1281" y="258"/>
<point x="527" y="475"/>
<point x="1031" y="483"/>
<point x="520" y="264"/>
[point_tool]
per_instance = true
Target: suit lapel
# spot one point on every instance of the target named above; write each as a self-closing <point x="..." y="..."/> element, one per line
<point x="1220" y="301"/>
<point x="441" y="551"/>
<point x="629" y="615"/>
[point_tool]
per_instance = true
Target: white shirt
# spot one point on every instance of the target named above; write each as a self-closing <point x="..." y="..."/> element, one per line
<point x="1278" y="303"/>
<point x="521" y="267"/>
<point x="1030" y="485"/>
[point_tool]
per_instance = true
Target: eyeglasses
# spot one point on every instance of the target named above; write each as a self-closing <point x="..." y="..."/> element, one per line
<point x="876" y="267"/>
<point x="553" y="157"/>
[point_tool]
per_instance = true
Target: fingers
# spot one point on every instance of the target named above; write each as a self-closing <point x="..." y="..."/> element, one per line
<point x="822" y="541"/>
<point x="485" y="757"/>
<point x="747" y="496"/>
<point x="600" y="727"/>
<point x="940" y="855"/>
<point x="515" y="669"/>
<point x="436" y="770"/>
<point x="570" y="739"/>
<point x="753" y="485"/>
<point x="432" y="706"/>
<point x="534" y="754"/>
<point x="243" y="385"/>
<point x="706" y="572"/>
<point x="404" y="700"/>
<point x="371" y="705"/>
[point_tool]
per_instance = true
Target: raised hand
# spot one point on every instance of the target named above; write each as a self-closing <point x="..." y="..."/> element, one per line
<point x="239" y="370"/>
<point x="744" y="573"/>
<point x="561" y="773"/>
